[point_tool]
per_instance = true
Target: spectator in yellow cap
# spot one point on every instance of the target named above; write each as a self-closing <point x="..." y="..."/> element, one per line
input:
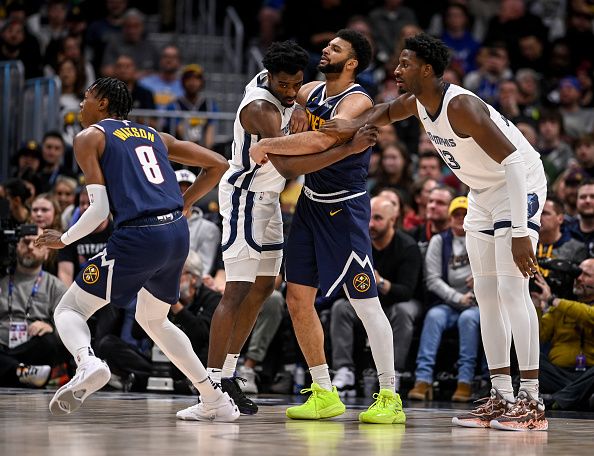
<point x="198" y="129"/>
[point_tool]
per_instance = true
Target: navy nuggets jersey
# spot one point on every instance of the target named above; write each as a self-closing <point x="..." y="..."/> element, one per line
<point x="349" y="173"/>
<point x="138" y="176"/>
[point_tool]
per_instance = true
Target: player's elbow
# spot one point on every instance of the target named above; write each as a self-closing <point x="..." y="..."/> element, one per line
<point x="220" y="166"/>
<point x="287" y="173"/>
<point x="282" y="167"/>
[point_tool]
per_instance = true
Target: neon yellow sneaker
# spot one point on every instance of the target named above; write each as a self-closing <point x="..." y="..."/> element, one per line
<point x="320" y="404"/>
<point x="387" y="409"/>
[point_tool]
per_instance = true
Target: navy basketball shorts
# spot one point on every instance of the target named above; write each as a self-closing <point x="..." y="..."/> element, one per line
<point x="329" y="247"/>
<point x="147" y="256"/>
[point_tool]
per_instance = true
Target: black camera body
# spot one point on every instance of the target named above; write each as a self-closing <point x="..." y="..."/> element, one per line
<point x="562" y="274"/>
<point x="10" y="233"/>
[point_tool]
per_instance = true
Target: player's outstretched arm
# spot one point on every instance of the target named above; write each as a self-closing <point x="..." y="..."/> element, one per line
<point x="188" y="153"/>
<point x="88" y="147"/>
<point x="379" y="115"/>
<point x="292" y="166"/>
<point x="311" y="142"/>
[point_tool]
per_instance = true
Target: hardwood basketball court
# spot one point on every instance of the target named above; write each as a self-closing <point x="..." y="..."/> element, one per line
<point x="143" y="424"/>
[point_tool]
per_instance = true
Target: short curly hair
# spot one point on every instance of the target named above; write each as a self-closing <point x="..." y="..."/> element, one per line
<point x="285" y="56"/>
<point x="361" y="47"/>
<point x="431" y="50"/>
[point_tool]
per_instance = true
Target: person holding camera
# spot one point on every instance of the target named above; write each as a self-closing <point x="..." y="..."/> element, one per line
<point x="556" y="247"/>
<point x="29" y="347"/>
<point x="567" y="371"/>
<point x="449" y="278"/>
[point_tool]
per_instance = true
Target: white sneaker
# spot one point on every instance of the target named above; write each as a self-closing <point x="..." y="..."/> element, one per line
<point x="224" y="409"/>
<point x="90" y="377"/>
<point x="249" y="375"/>
<point x="344" y="380"/>
<point x="36" y="376"/>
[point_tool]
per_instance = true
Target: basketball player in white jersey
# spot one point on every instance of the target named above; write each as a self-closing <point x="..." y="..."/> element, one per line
<point x="508" y="191"/>
<point x="252" y="239"/>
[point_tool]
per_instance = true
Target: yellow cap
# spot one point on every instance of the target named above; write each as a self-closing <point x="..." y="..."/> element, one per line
<point x="461" y="202"/>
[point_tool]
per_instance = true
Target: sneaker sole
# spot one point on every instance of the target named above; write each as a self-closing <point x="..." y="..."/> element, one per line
<point x="477" y="424"/>
<point x="519" y="427"/>
<point x="70" y="394"/>
<point x="328" y="412"/>
<point x="396" y="420"/>
<point x="214" y="418"/>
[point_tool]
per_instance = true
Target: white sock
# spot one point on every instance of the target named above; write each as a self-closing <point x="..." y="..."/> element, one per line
<point x="387" y="380"/>
<point x="83" y="354"/>
<point x="503" y="384"/>
<point x="321" y="376"/>
<point x="215" y="374"/>
<point x="530" y="385"/>
<point x="397" y="376"/>
<point x="230" y="365"/>
<point x="209" y="392"/>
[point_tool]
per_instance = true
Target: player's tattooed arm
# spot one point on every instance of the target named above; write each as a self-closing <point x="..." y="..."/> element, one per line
<point x="292" y="166"/>
<point x="310" y="142"/>
<point x="188" y="153"/>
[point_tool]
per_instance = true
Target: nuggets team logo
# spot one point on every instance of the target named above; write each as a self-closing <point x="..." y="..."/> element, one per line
<point x="361" y="282"/>
<point x="91" y="274"/>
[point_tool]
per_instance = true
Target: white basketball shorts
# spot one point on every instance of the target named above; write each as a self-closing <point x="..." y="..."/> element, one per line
<point x="252" y="241"/>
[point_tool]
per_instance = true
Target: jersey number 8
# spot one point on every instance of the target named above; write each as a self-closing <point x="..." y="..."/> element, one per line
<point x="150" y="166"/>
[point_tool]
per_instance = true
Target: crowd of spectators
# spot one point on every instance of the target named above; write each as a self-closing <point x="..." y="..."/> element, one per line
<point x="531" y="60"/>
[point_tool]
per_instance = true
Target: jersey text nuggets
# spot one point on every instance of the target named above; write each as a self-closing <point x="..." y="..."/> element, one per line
<point x="127" y="132"/>
<point x="315" y="122"/>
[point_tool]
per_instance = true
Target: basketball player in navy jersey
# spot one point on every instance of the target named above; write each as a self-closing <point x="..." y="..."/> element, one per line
<point x="127" y="171"/>
<point x="508" y="190"/>
<point x="329" y="245"/>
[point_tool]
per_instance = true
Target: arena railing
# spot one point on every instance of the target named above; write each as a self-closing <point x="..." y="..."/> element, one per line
<point x="233" y="33"/>
<point x="12" y="82"/>
<point x="224" y="130"/>
<point x="254" y="63"/>
<point x="40" y="108"/>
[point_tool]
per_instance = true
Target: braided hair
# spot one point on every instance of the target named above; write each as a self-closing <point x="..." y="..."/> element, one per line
<point x="116" y="92"/>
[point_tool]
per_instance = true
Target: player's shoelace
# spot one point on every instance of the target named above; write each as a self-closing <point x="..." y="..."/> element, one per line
<point x="312" y="396"/>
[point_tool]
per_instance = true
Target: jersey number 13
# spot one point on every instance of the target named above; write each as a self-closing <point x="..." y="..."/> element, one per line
<point x="449" y="159"/>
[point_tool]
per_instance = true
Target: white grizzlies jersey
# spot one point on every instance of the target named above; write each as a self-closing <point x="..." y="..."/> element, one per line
<point x="469" y="162"/>
<point x="243" y="171"/>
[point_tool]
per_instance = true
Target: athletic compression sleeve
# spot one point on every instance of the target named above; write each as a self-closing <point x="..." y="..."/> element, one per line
<point x="515" y="178"/>
<point x="93" y="216"/>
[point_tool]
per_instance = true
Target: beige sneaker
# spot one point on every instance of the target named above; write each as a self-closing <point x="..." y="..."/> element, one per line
<point x="527" y="414"/>
<point x="489" y="409"/>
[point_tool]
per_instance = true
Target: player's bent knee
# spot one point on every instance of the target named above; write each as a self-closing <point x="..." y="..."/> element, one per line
<point x="78" y="300"/>
<point x="149" y="309"/>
